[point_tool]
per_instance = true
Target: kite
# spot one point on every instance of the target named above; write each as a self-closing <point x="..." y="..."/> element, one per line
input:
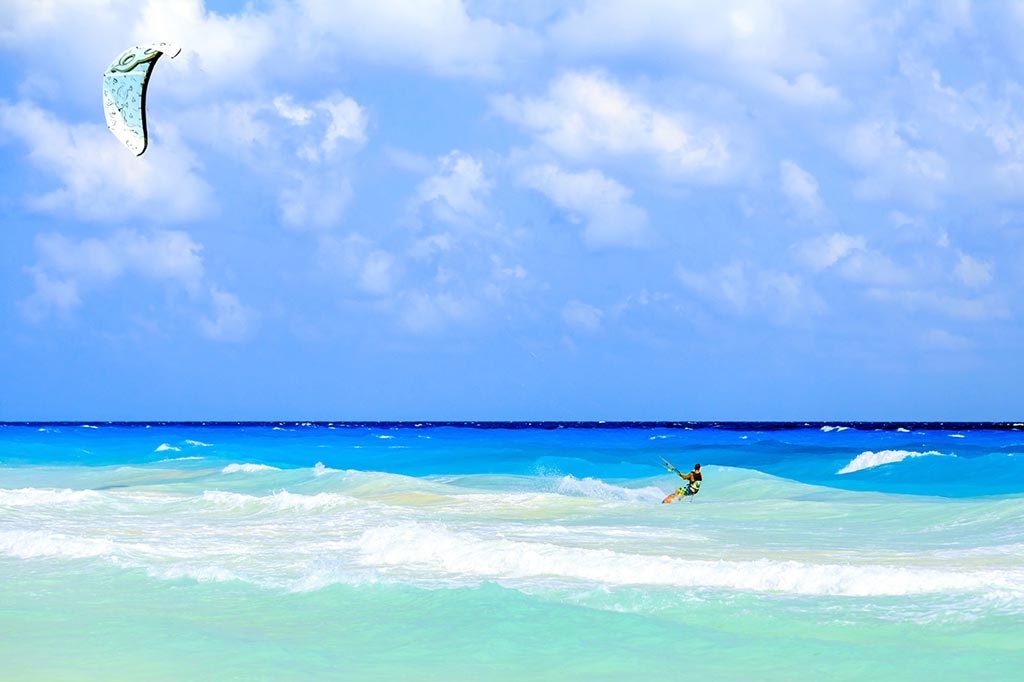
<point x="124" y="93"/>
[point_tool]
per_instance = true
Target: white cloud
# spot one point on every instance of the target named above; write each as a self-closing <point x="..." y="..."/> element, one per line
<point x="231" y="126"/>
<point x="404" y="160"/>
<point x="779" y="47"/>
<point x="378" y="272"/>
<point x="99" y="179"/>
<point x="67" y="268"/>
<point x="160" y="255"/>
<point x="743" y="289"/>
<point x="231" y="321"/>
<point x="501" y="270"/>
<point x="460" y="288"/>
<point x="342" y="126"/>
<point x="426" y="248"/>
<point x="586" y="116"/>
<point x="874" y="267"/>
<point x="987" y="307"/>
<point x="455" y="192"/>
<point x="280" y="128"/>
<point x="781" y="35"/>
<point x="940" y="339"/>
<point x="437" y="35"/>
<point x="895" y="167"/>
<point x="973" y="272"/>
<point x="50" y="294"/>
<point x="801" y="188"/>
<point x="291" y="112"/>
<point x="369" y="268"/>
<point x="316" y="202"/>
<point x="826" y="250"/>
<point x="602" y="204"/>
<point x="582" y="316"/>
<point x="452" y="269"/>
<point x="306" y="147"/>
<point x="804" y="90"/>
<point x="425" y="312"/>
<point x="217" y="51"/>
<point x="978" y="131"/>
<point x="900" y="219"/>
<point x="849" y="256"/>
<point x="348" y="121"/>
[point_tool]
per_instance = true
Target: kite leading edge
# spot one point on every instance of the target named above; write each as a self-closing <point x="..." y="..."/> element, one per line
<point x="124" y="93"/>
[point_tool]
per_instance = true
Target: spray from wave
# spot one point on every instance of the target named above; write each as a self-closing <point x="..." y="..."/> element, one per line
<point x="247" y="468"/>
<point x="870" y="460"/>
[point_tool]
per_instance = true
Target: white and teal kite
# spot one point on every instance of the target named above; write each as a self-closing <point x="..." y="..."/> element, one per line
<point x="124" y="93"/>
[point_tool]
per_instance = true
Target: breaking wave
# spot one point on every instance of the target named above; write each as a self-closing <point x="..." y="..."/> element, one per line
<point x="869" y="460"/>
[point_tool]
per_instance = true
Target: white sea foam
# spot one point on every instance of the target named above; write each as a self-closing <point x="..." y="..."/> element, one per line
<point x="35" y="544"/>
<point x="198" y="443"/>
<point x="278" y="501"/>
<point x="305" y="541"/>
<point x="247" y="468"/>
<point x="596" y="489"/>
<point x="416" y="550"/>
<point x="385" y="437"/>
<point x="957" y="435"/>
<point x="164" y="447"/>
<point x="180" y="459"/>
<point x="828" y="429"/>
<point x="319" y="469"/>
<point x="24" y="497"/>
<point x="89" y="426"/>
<point x="902" y="430"/>
<point x="868" y="459"/>
<point x="202" y="574"/>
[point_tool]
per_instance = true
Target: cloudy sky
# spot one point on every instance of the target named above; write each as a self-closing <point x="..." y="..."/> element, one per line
<point x="445" y="209"/>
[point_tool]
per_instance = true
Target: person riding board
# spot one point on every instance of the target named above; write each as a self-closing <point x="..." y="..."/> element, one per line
<point x="692" y="486"/>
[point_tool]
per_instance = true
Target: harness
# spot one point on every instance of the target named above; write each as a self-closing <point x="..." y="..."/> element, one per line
<point x="692" y="487"/>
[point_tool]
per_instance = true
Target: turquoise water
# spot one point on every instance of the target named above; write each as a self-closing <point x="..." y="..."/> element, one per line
<point x="359" y="552"/>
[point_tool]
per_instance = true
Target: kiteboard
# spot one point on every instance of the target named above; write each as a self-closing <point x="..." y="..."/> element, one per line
<point x="675" y="494"/>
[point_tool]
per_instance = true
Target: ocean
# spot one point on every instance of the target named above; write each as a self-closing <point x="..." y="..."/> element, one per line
<point x="514" y="551"/>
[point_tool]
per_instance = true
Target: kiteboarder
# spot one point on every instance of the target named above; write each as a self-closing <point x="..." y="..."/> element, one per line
<point x="692" y="486"/>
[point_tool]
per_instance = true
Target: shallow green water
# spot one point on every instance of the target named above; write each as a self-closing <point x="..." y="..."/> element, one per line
<point x="64" y="626"/>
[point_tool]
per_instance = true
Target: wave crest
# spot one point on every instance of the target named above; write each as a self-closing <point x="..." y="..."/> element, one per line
<point x="426" y="552"/>
<point x="247" y="468"/>
<point x="597" y="489"/>
<point x="869" y="460"/>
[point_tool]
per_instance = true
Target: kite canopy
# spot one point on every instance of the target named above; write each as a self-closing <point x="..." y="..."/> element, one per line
<point x="124" y="93"/>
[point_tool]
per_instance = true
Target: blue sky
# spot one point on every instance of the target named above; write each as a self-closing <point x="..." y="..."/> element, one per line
<point x="533" y="210"/>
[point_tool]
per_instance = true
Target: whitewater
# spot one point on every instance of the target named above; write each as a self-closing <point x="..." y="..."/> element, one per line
<point x="516" y="551"/>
